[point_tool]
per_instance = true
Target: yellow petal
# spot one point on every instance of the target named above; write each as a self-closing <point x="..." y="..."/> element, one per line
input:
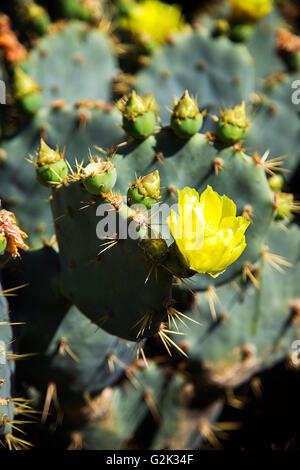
<point x="211" y="202"/>
<point x="210" y="255"/>
<point x="231" y="257"/>
<point x="228" y="207"/>
<point x="188" y="196"/>
<point x="207" y="232"/>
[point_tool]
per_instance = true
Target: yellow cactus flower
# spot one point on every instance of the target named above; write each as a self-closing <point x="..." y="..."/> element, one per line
<point x="250" y="10"/>
<point x="154" y="19"/>
<point x="207" y="232"/>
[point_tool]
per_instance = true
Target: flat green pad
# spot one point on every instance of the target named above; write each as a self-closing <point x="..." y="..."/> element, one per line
<point x="88" y="64"/>
<point x="216" y="71"/>
<point x="110" y="289"/>
<point x="259" y="318"/>
<point x="276" y="124"/>
<point x="262" y="47"/>
<point x="48" y="318"/>
<point x="126" y="411"/>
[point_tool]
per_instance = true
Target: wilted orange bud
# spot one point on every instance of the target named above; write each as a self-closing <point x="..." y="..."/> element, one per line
<point x="13" y="233"/>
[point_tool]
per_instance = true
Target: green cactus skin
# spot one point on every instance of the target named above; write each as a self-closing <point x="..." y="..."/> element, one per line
<point x="213" y="69"/>
<point x="178" y="427"/>
<point x="127" y="409"/>
<point x="44" y="335"/>
<point x="228" y="133"/>
<point x="278" y="110"/>
<point x="80" y="48"/>
<point x="186" y="127"/>
<point x="255" y="320"/>
<point x="124" y="297"/>
<point x="141" y="126"/>
<point x="266" y="60"/>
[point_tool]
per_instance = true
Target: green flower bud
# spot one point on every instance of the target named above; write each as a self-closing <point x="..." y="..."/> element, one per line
<point x="27" y="92"/>
<point x="139" y="114"/>
<point x="185" y="107"/>
<point x="68" y="8"/>
<point x="51" y="168"/>
<point x="156" y="249"/>
<point x="241" y="32"/>
<point x="46" y="154"/>
<point x="135" y="197"/>
<point x="32" y="103"/>
<point x="83" y="13"/>
<point x="24" y="85"/>
<point x="36" y="17"/>
<point x="145" y="190"/>
<point x="232" y="125"/>
<point x="149" y="185"/>
<point x="99" y="176"/>
<point x="3" y="244"/>
<point x="141" y="127"/>
<point x="228" y="133"/>
<point x="186" y="119"/>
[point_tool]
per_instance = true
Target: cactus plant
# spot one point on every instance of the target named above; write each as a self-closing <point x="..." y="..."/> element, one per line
<point x="109" y="284"/>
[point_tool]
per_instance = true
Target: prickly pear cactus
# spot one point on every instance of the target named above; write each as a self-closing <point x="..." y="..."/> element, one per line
<point x="73" y="353"/>
<point x="119" y="117"/>
<point x="127" y="296"/>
